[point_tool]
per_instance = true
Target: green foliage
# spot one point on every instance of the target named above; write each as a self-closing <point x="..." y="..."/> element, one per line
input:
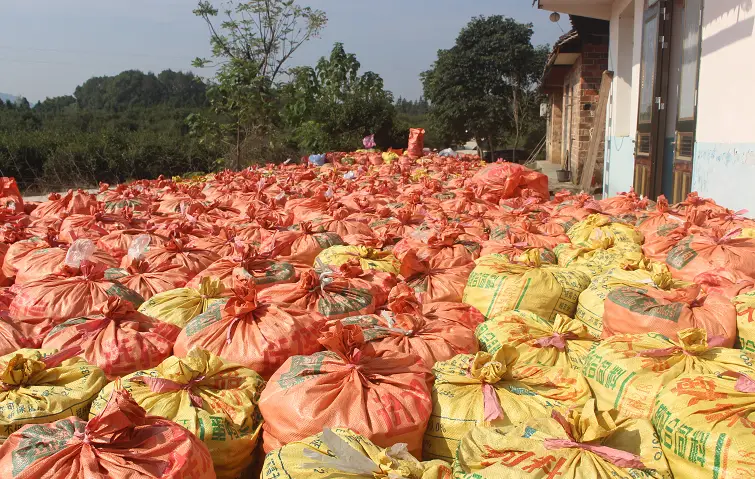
<point x="133" y="88"/>
<point x="140" y="125"/>
<point x="332" y="107"/>
<point x="122" y="133"/>
<point x="485" y="85"/>
<point x="412" y="107"/>
<point x="251" y="48"/>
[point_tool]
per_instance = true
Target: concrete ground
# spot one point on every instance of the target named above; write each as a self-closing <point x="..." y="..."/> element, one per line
<point x="549" y="169"/>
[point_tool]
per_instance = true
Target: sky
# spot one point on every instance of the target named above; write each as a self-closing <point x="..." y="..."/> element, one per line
<point x="48" y="47"/>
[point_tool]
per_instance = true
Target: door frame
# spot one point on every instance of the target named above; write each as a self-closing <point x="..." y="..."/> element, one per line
<point x="568" y="112"/>
<point x="689" y="125"/>
<point x="663" y="9"/>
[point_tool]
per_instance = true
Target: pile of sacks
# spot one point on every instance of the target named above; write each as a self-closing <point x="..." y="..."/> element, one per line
<point x="376" y="316"/>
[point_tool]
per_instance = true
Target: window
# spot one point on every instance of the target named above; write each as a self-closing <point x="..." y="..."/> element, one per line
<point x="690" y="59"/>
<point x="647" y="81"/>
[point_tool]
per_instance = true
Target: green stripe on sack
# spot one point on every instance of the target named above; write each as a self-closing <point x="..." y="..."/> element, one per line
<point x="495" y="296"/>
<point x="719" y="451"/>
<point x="621" y="390"/>
<point x="524" y="291"/>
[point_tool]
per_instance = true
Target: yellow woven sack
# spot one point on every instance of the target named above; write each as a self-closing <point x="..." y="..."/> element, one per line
<point x="342" y="453"/>
<point x="747" y="233"/>
<point x="599" y="258"/>
<point x="745" y="304"/>
<point x="498" y="285"/>
<point x="488" y="389"/>
<point x="599" y="228"/>
<point x="646" y="274"/>
<point x="44" y="385"/>
<point x="627" y="372"/>
<point x="179" y="306"/>
<point x="369" y="258"/>
<point x="705" y="425"/>
<point x="584" y="444"/>
<point x="214" y="399"/>
<point x="564" y="342"/>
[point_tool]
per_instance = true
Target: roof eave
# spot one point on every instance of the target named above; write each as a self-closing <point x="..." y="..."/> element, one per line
<point x="584" y="8"/>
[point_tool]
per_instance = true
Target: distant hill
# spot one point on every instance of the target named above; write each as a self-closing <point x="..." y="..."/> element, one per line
<point x="5" y="97"/>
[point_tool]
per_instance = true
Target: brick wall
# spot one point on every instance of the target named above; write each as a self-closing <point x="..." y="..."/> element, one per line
<point x="556" y="127"/>
<point x="585" y="78"/>
<point x="573" y="95"/>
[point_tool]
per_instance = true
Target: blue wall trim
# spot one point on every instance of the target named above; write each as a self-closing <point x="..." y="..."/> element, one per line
<point x="619" y="176"/>
<point x="669" y="150"/>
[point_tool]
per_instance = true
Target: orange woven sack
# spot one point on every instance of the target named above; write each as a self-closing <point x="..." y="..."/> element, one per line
<point x="117" y="339"/>
<point x="633" y="310"/>
<point x="307" y="209"/>
<point x="657" y="247"/>
<point x="339" y="222"/>
<point x="508" y="180"/>
<point x="516" y="251"/>
<point x="254" y="333"/>
<point x="528" y="233"/>
<point x="384" y="397"/>
<point x="75" y="292"/>
<point x="72" y="203"/>
<point x="416" y="143"/>
<point x="335" y="294"/>
<point x="17" y="251"/>
<point x="181" y="253"/>
<point x="42" y="262"/>
<point x="726" y="282"/>
<point x="147" y="280"/>
<point x="401" y="223"/>
<point x="729" y="220"/>
<point x="257" y="266"/>
<point x="405" y="329"/>
<point x="10" y="196"/>
<point x="442" y="246"/>
<point x="11" y="339"/>
<point x="223" y="243"/>
<point x="460" y="313"/>
<point x="701" y="252"/>
<point x="433" y="282"/>
<point x="121" y="442"/>
<point x="300" y="246"/>
<point x="660" y="220"/>
<point x="91" y="226"/>
<point x="117" y="243"/>
<point x="696" y="202"/>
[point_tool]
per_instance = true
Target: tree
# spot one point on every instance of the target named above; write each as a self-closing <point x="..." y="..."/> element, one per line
<point x="251" y="47"/>
<point x="332" y="106"/>
<point x="134" y="88"/>
<point x="55" y="104"/>
<point x="485" y="85"/>
<point x="130" y="126"/>
<point x="412" y="108"/>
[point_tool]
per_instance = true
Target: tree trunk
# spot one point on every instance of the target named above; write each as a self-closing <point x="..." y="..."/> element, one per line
<point x="480" y="151"/>
<point x="237" y="160"/>
<point x="492" y="149"/>
<point x="516" y="120"/>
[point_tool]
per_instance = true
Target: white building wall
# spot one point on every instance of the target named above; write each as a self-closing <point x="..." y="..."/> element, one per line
<point x="724" y="164"/>
<point x="624" y="61"/>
